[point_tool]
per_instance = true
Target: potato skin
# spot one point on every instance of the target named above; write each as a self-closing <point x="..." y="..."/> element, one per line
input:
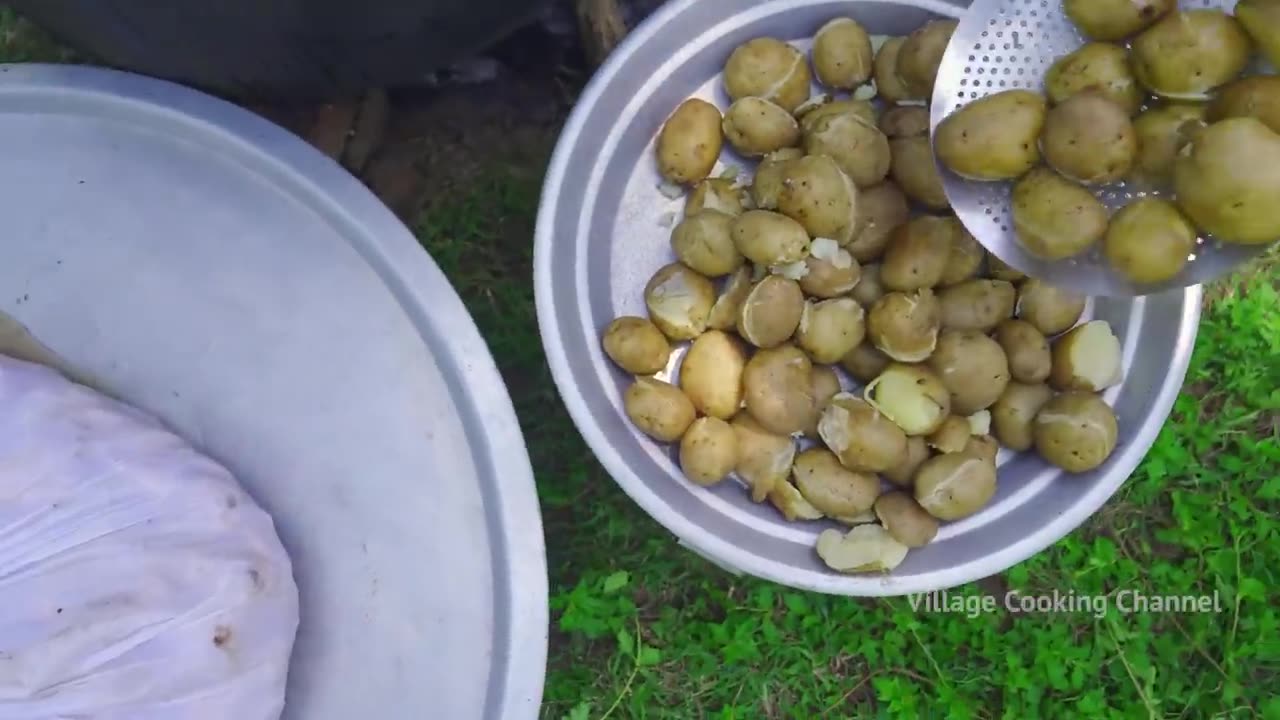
<point x="1162" y="132"/>
<point x="976" y="304"/>
<point x="704" y="242"/>
<point x="863" y="439"/>
<point x="1097" y="67"/>
<point x="889" y="85"/>
<point x="865" y="362"/>
<point x="832" y="488"/>
<point x="1000" y="270"/>
<point x="1188" y="53"/>
<point x="842" y="57"/>
<point x="1090" y="139"/>
<point x="817" y="194"/>
<point x="764" y="458"/>
<point x="905" y="326"/>
<point x="903" y="474"/>
<point x="724" y="312"/>
<point x="973" y="367"/>
<point x="904" y="121"/>
<point x="659" y="409"/>
<point x="679" y="301"/>
<point x="1013" y="414"/>
<point x="719" y="194"/>
<point x="1149" y="240"/>
<point x="636" y="345"/>
<point x="708" y="451"/>
<point x="1076" y="431"/>
<point x="1228" y="181"/>
<point x="1261" y="19"/>
<point x="755" y="127"/>
<point x="951" y="436"/>
<point x="771" y="312"/>
<point x="711" y="374"/>
<point x="921" y="55"/>
<point x="829" y="329"/>
<point x="768" y="68"/>
<point x="769" y="238"/>
<point x="777" y="389"/>
<point x="858" y="147"/>
<point x="766" y="186"/>
<point x="1050" y="309"/>
<point x="912" y="167"/>
<point x="964" y="261"/>
<point x="1115" y="19"/>
<point x="956" y="485"/>
<point x="1055" y="218"/>
<point x="690" y="142"/>
<point x="917" y="254"/>
<point x="880" y="210"/>
<point x="1027" y="350"/>
<point x="993" y="138"/>
<point x="1257" y="97"/>
<point x="826" y="279"/>
<point x="905" y="520"/>
<point x="985" y="447"/>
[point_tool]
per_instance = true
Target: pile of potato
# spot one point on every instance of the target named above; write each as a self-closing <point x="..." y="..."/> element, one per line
<point x="1210" y="136"/>
<point x="820" y="260"/>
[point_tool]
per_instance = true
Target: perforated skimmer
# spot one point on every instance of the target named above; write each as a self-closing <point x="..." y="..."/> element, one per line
<point x="1010" y="44"/>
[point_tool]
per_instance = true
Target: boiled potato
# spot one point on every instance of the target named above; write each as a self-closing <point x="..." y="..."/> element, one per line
<point x="1052" y="310"/>
<point x="913" y="168"/>
<point x="704" y="242"/>
<point x="976" y="304"/>
<point x="912" y="396"/>
<point x="954" y="486"/>
<point x="1257" y="97"/>
<point x="711" y="374"/>
<point x="679" y="301"/>
<point x="1162" y="132"/>
<point x="1115" y="19"/>
<point x="724" y="313"/>
<point x="719" y="194"/>
<point x="1027" y="350"/>
<point x="770" y="238"/>
<point x="1149" y="241"/>
<point x="889" y="85"/>
<point x="766" y="186"/>
<point x="917" y="253"/>
<point x="1189" y="53"/>
<point x="905" y="326"/>
<point x="659" y="409"/>
<point x="921" y="55"/>
<point x="829" y="329"/>
<point x="859" y="109"/>
<point x="824" y="384"/>
<point x="903" y="474"/>
<point x="1261" y="19"/>
<point x="832" y="271"/>
<point x="904" y="519"/>
<point x="1088" y="357"/>
<point x="980" y="422"/>
<point x="863" y="439"/>
<point x="1227" y="181"/>
<point x="764" y="458"/>
<point x="952" y="435"/>
<point x="1095" y="67"/>
<point x="973" y="367"/>
<point x="985" y="447"/>
<point x="777" y="392"/>
<point x="770" y="69"/>
<point x="905" y="121"/>
<point x="842" y="57"/>
<point x="708" y="451"/>
<point x="858" y="147"/>
<point x="830" y="487"/>
<point x="1089" y="139"/>
<point x="819" y="196"/>
<point x="866" y="548"/>
<point x="993" y="138"/>
<point x="964" y="260"/>
<point x="1014" y="412"/>
<point x="690" y="142"/>
<point x="792" y="504"/>
<point x="1055" y="218"/>
<point x="770" y="313"/>
<point x="869" y="288"/>
<point x="880" y="209"/>
<point x="865" y="362"/>
<point x="1076" y="431"/>
<point x="636" y="345"/>
<point x="1000" y="270"/>
<point x="755" y="127"/>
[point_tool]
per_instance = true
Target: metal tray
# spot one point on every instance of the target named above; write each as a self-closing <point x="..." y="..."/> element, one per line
<point x="209" y="267"/>
<point x="600" y="237"/>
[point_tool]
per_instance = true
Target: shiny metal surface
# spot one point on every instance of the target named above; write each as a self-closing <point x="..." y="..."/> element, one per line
<point x="1011" y="44"/>
<point x="213" y="269"/>
<point x="600" y="236"/>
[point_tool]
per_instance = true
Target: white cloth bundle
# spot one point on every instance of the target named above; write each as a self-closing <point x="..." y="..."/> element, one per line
<point x="138" y="581"/>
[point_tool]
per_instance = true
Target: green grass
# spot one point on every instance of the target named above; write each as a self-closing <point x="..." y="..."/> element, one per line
<point x="644" y="629"/>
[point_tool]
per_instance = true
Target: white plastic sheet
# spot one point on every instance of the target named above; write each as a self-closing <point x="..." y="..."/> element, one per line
<point x="138" y="581"/>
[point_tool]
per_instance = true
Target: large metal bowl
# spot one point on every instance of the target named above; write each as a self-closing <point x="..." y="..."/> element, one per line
<point x="600" y="236"/>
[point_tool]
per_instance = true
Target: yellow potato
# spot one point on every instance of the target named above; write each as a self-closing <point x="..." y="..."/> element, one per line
<point x="830" y="487"/>
<point x="1149" y="241"/>
<point x="1115" y="19"/>
<point x="904" y="519"/>
<point x="917" y="254"/>
<point x="1000" y="270"/>
<point x="889" y="85"/>
<point x="865" y="549"/>
<point x="1188" y="53"/>
<point x="818" y="195"/>
<point x="1013" y="414"/>
<point x="976" y="304"/>
<point x="768" y="68"/>
<point x="905" y="326"/>
<point x="1088" y="357"/>
<point x="755" y="127"/>
<point x="1162" y="132"/>
<point x="993" y="138"/>
<point x="1227" y="181"/>
<point x="880" y="209"/>
<point x="770" y="238"/>
<point x="1261" y="19"/>
<point x="952" y="435"/>
<point x="787" y="499"/>
<point x="954" y="486"/>
<point x="679" y="301"/>
<point x="865" y="362"/>
<point x="869" y="288"/>
<point x="1095" y="67"/>
<point x="708" y="451"/>
<point x="1055" y="218"/>
<point x="764" y="458"/>
<point x="912" y="396"/>
<point x="1052" y="310"/>
<point x="1076" y="431"/>
<point x="832" y="271"/>
<point x="719" y="194"/>
<point x="830" y="329"/>
<point x="777" y="390"/>
<point x="690" y="142"/>
<point x="636" y="345"/>
<point x="904" y="121"/>
<point x="863" y="439"/>
<point x="1027" y="350"/>
<point x="913" y="168"/>
<point x="903" y="474"/>
<point x="985" y="447"/>
<point x="659" y="409"/>
<point x="704" y="242"/>
<point x="711" y="374"/>
<point x="858" y="147"/>
<point x="771" y="312"/>
<point x="767" y="184"/>
<point x="842" y="57"/>
<point x="973" y="367"/>
<point x="1257" y="97"/>
<point x="965" y="258"/>
<point x="824" y="384"/>
<point x="724" y="313"/>
<point x="921" y="55"/>
<point x="1089" y="139"/>
<point x="860" y="109"/>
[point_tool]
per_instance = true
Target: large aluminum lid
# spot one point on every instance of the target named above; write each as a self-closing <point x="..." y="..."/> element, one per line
<point x="209" y="267"/>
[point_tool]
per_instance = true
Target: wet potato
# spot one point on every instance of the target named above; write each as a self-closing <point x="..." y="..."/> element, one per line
<point x="951" y="436"/>
<point x="889" y="86"/>
<point x="755" y="127"/>
<point x="768" y="68"/>
<point x="993" y="138"/>
<point x="865" y="362"/>
<point x="636" y="345"/>
<point x="689" y="143"/>
<point x="905" y="520"/>
<point x="973" y="367"/>
<point x="1257" y="97"/>
<point x="863" y="439"/>
<point x="903" y="474"/>
<point x="976" y="304"/>
<point x="770" y="238"/>
<point x="1075" y="431"/>
<point x="1188" y="53"/>
<point x="914" y="170"/>
<point x="921" y="55"/>
<point x="917" y="254"/>
<point x="1050" y="309"/>
<point x="1162" y="132"/>
<point x="880" y="209"/>
<point x="832" y="488"/>
<point x="904" y="121"/>
<point x="711" y="374"/>
<point x="658" y="409"/>
<point x="777" y="390"/>
<point x="954" y="486"/>
<point x="724" y="313"/>
<point x="905" y="326"/>
<point x="1014" y="413"/>
<point x="824" y="384"/>
<point x="830" y="329"/>
<point x="1055" y="218"/>
<point x="832" y="271"/>
<point x="912" y="396"/>
<point x="704" y="242"/>
<point x="1088" y="357"/>
<point x="1116" y="19"/>
<point x="860" y="109"/>
<point x="869" y="288"/>
<point x="771" y="311"/>
<point x="858" y="147"/>
<point x="1027" y="350"/>
<point x="819" y="196"/>
<point x="1227" y="181"/>
<point x="679" y="301"/>
<point x="787" y="499"/>
<point x="764" y="458"/>
<point x="964" y="260"/>
<point x="842" y="57"/>
<point x="719" y="194"/>
<point x="1095" y="67"/>
<point x="1089" y="139"/>
<point x="766" y="186"/>
<point x="708" y="451"/>
<point x="1149" y="241"/>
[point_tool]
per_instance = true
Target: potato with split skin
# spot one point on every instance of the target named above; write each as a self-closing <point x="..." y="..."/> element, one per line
<point x="889" y="85"/>
<point x="832" y="271"/>
<point x="771" y="311"/>
<point x="1013" y="414"/>
<point x="768" y="68"/>
<point x="755" y="127"/>
<point x="880" y="209"/>
<point x="864" y="440"/>
<point x="787" y="499"/>
<point x="864" y="549"/>
<point x="1261" y="20"/>
<point x="724" y="313"/>
<point x="993" y="138"/>
<point x="842" y="57"/>
<point x="1055" y="218"/>
<point x="858" y="147"/>
<point x="711" y="374"/>
<point x="824" y="384"/>
<point x="679" y="301"/>
<point x="1227" y="181"/>
<point x="1149" y="241"/>
<point x="951" y="436"/>
<point x="917" y="253"/>
<point x="766" y="186"/>
<point x="777" y="390"/>
<point x="1257" y="97"/>
<point x="1162" y="132"/>
<point x="865" y="362"/>
<point x="964" y="260"/>
<point x="690" y="142"/>
<point x="659" y="409"/>
<point x="921" y="56"/>
<point x="954" y="486"/>
<point x="819" y="196"/>
<point x="1076" y="431"/>
<point x="903" y="474"/>
<point x="904" y="519"/>
<point x="708" y="451"/>
<point x="913" y="168"/>
<point x="976" y="304"/>
<point x="905" y="121"/>
<point x="636" y="345"/>
<point x="704" y="242"/>
<point x="1027" y="350"/>
<point x="984" y="447"/>
<point x="869" y="288"/>
<point x="829" y="329"/>
<point x="1113" y="20"/>
<point x="770" y="238"/>
<point x="1095" y="67"/>
<point x="905" y="326"/>
<point x="912" y="396"/>
<point x="1000" y="270"/>
<point x="832" y="488"/>
<point x="718" y="194"/>
<point x="1189" y="53"/>
<point x="860" y="109"/>
<point x="764" y="458"/>
<point x="1089" y="139"/>
<point x="973" y="367"/>
<point x="1050" y="309"/>
<point x="1088" y="357"/>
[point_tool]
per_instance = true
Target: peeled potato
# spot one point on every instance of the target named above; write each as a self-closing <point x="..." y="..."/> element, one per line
<point x="866" y="548"/>
<point x="679" y="301"/>
<point x="1089" y="357"/>
<point x="708" y="450"/>
<point x="792" y="504"/>
<point x="724" y="313"/>
<point x="912" y="396"/>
